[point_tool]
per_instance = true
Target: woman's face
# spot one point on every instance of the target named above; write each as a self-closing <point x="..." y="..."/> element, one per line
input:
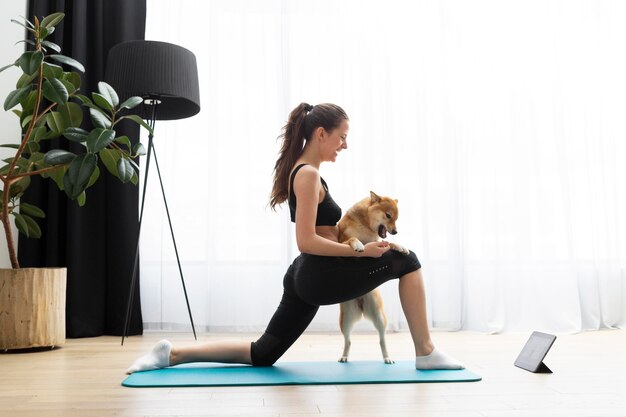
<point x="335" y="141"/>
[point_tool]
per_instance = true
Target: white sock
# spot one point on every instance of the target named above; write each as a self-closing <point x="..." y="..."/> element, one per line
<point x="437" y="360"/>
<point x="157" y="358"/>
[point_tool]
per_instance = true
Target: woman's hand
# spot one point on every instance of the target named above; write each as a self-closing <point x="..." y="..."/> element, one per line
<point x="375" y="249"/>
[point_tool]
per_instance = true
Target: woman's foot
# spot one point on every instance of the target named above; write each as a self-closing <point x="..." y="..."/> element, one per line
<point x="157" y="358"/>
<point x="437" y="360"/>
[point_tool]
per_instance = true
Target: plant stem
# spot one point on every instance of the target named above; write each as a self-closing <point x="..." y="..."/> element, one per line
<point x="7" y="225"/>
<point x="37" y="172"/>
<point x="46" y="110"/>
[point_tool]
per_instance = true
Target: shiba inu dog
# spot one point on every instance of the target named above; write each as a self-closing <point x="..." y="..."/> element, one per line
<point x="369" y="220"/>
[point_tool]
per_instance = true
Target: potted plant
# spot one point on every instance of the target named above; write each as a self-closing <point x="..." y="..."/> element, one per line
<point x="48" y="104"/>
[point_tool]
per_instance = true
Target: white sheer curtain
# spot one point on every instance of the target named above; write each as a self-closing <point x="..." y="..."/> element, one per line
<point x="499" y="126"/>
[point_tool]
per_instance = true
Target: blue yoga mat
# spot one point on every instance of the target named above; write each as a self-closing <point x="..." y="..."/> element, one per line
<point x="294" y="373"/>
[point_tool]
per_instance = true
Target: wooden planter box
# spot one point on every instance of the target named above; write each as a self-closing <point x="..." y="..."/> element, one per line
<point x="32" y="307"/>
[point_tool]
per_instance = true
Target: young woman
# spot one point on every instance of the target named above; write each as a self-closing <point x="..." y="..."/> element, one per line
<point x="326" y="272"/>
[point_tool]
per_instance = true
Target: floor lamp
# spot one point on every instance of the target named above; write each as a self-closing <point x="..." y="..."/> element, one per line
<point x="166" y="77"/>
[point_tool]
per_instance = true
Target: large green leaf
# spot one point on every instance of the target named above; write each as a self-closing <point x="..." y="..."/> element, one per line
<point x="45" y="32"/>
<point x="27" y="225"/>
<point x="58" y="157"/>
<point x="137" y="120"/>
<point x="139" y="150"/>
<point x="32" y="43"/>
<point x="52" y="20"/>
<point x="33" y="228"/>
<point x="25" y="79"/>
<point x="31" y="210"/>
<point x="28" y="103"/>
<point x="99" y="138"/>
<point x="6" y="67"/>
<point x="22" y="24"/>
<point x="57" y="176"/>
<point x="75" y="134"/>
<point x="84" y="99"/>
<point x="28" y="22"/>
<point x="72" y="113"/>
<point x="124" y="170"/>
<point x="10" y="145"/>
<point x="18" y="188"/>
<point x="21" y="224"/>
<point x="69" y="86"/>
<point x="15" y="96"/>
<point x="133" y="163"/>
<point x="124" y="140"/>
<point x="51" y="45"/>
<point x="94" y="177"/>
<point x="36" y="158"/>
<point x="39" y="133"/>
<point x="68" y="61"/>
<point x="30" y="61"/>
<point x="54" y="90"/>
<point x="108" y="93"/>
<point x="99" y="119"/>
<point x="87" y="102"/>
<point x="31" y="147"/>
<point x="132" y="102"/>
<point x="79" y="173"/>
<point x="81" y="199"/>
<point x="74" y="78"/>
<point x="56" y="122"/>
<point x="26" y="120"/>
<point x="109" y="158"/>
<point x="101" y="101"/>
<point x="52" y="70"/>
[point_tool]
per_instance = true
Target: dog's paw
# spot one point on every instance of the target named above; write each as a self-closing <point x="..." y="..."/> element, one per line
<point x="399" y="248"/>
<point x="389" y="361"/>
<point x="343" y="359"/>
<point x="356" y="245"/>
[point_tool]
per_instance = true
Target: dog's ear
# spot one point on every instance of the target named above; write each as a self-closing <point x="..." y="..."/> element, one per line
<point x="374" y="197"/>
<point x="396" y="200"/>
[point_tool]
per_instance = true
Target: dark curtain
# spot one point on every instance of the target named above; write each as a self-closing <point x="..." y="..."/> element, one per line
<point x="95" y="242"/>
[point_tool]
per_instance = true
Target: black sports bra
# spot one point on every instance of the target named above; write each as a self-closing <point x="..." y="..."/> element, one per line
<point x="328" y="212"/>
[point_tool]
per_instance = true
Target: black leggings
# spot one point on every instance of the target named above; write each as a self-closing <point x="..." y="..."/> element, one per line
<point x="312" y="281"/>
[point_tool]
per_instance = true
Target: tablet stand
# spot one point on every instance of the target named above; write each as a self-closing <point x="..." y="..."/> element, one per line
<point x="534" y="351"/>
<point x="542" y="369"/>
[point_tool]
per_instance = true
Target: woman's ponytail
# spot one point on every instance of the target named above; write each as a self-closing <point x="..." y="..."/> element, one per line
<point x="293" y="143"/>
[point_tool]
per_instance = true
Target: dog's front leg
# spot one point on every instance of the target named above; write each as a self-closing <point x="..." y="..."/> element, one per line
<point x="380" y="322"/>
<point x="399" y="248"/>
<point x="355" y="244"/>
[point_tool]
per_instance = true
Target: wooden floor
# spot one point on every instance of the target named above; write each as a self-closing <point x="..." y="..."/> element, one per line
<point x="83" y="379"/>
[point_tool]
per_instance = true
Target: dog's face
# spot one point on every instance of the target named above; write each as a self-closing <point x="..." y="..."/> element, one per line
<point x="382" y="213"/>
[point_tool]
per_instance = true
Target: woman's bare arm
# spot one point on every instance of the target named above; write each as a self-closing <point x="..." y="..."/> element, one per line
<point x="307" y="187"/>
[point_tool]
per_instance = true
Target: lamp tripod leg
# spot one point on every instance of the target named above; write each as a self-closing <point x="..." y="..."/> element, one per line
<point x="169" y="219"/>
<point x="133" y="282"/>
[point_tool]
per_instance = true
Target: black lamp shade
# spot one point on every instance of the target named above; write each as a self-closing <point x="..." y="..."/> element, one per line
<point x="157" y="70"/>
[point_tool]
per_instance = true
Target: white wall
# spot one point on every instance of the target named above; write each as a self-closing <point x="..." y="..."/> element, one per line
<point x="9" y="52"/>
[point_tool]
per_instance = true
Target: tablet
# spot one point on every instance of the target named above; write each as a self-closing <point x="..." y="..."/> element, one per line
<point x="532" y="355"/>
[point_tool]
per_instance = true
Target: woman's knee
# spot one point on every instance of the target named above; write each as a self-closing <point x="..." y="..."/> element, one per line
<point x="410" y="263"/>
<point x="265" y="351"/>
